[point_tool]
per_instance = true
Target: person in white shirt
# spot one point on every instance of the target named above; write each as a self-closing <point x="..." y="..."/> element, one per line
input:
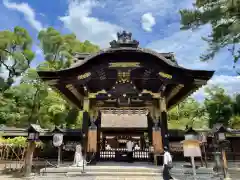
<point x="108" y="147"/>
<point x="129" y="146"/>
<point x="137" y="147"/>
<point x="167" y="164"/>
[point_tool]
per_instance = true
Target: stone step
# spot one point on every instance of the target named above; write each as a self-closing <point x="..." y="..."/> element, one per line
<point x="101" y="178"/>
<point x="112" y="169"/>
<point x="111" y="174"/>
<point x="105" y="175"/>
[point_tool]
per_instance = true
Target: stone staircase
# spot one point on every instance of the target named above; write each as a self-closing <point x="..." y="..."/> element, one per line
<point x="105" y="170"/>
<point x="123" y="171"/>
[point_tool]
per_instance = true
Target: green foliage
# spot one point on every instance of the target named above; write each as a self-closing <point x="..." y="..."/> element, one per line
<point x="224" y="18"/>
<point x="189" y="112"/>
<point x="15" y="142"/>
<point x="15" y="55"/>
<point x="236" y="105"/>
<point x="218" y="105"/>
<point x="32" y="101"/>
<point x="59" y="50"/>
<point x="234" y="122"/>
<point x="235" y="119"/>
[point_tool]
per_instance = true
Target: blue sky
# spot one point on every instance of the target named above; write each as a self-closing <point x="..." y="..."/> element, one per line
<point x="155" y="23"/>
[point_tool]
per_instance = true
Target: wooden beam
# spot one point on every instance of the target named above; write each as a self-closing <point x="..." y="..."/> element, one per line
<point x="200" y="82"/>
<point x="65" y="97"/>
<point x="174" y="92"/>
<point x="86" y="104"/>
<point x="154" y="95"/>
<point x="94" y="95"/>
<point x="75" y="92"/>
<point x="52" y="82"/>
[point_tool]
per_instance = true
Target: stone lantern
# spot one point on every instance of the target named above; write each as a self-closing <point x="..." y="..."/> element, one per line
<point x="220" y="143"/>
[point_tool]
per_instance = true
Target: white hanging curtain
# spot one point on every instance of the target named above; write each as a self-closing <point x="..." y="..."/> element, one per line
<point x="124" y="119"/>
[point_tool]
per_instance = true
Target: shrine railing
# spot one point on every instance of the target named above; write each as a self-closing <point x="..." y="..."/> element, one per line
<point x="121" y="155"/>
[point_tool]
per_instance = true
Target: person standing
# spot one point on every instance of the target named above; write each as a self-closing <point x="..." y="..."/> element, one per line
<point x="129" y="147"/>
<point x="167" y="164"/>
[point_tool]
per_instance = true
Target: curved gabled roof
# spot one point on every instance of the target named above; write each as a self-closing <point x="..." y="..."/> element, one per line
<point x="113" y="50"/>
<point x="181" y="83"/>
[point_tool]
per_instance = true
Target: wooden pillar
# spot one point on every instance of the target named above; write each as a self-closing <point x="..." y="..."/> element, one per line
<point x="157" y="140"/>
<point x="104" y="142"/>
<point x="98" y="123"/>
<point x="150" y="126"/>
<point x="92" y="139"/>
<point x="29" y="158"/>
<point x="142" y="142"/>
<point x="164" y="122"/>
<point x="86" y="123"/>
<point x="156" y="133"/>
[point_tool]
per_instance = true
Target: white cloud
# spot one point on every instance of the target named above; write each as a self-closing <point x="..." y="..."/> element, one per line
<point x="157" y="7"/>
<point x="148" y="21"/>
<point x="188" y="47"/>
<point x="86" y="24"/>
<point x="86" y="27"/>
<point x="28" y="12"/>
<point x="231" y="84"/>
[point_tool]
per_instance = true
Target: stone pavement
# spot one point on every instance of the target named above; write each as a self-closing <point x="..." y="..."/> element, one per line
<point x="178" y="175"/>
<point x="100" y="178"/>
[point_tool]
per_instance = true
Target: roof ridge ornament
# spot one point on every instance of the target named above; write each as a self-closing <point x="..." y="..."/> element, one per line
<point x="124" y="39"/>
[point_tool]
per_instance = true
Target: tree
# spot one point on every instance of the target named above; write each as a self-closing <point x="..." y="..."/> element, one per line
<point x="236" y="105"/>
<point x="188" y="112"/>
<point x="17" y="104"/>
<point x="59" y="50"/>
<point x="40" y="92"/>
<point x="15" y="55"/>
<point x="32" y="101"/>
<point x="235" y="119"/>
<point x="218" y="106"/>
<point x="224" y="18"/>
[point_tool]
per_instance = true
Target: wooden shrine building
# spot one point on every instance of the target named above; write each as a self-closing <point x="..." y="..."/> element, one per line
<point x="125" y="84"/>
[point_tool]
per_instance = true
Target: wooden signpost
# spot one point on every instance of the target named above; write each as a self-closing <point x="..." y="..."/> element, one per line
<point x="191" y="148"/>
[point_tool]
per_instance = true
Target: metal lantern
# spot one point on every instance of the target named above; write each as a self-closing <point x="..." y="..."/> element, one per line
<point x="219" y="132"/>
<point x="34" y="132"/>
<point x="57" y="142"/>
<point x="33" y="136"/>
<point x="190" y="134"/>
<point x="57" y="137"/>
<point x="221" y="136"/>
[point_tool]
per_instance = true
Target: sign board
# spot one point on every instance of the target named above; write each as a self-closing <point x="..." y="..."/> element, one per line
<point x="57" y="140"/>
<point x="191" y="148"/>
